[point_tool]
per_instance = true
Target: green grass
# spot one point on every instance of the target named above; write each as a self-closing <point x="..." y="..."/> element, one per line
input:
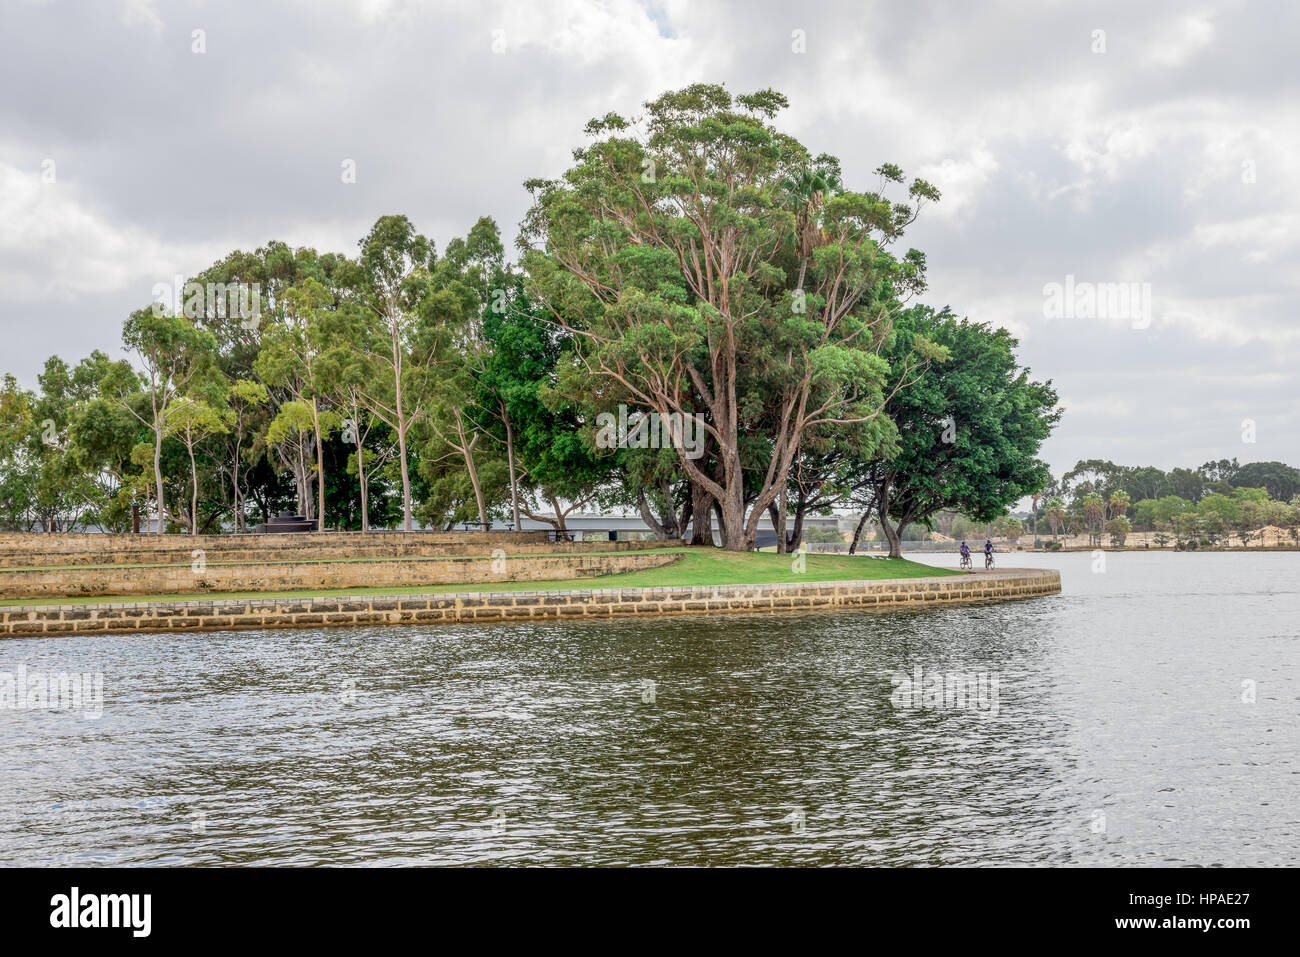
<point x="695" y="566"/>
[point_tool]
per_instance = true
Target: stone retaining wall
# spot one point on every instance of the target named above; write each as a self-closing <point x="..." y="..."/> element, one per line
<point x="77" y="548"/>
<point x="301" y="576"/>
<point x="109" y="539"/>
<point x="147" y="550"/>
<point x="216" y="614"/>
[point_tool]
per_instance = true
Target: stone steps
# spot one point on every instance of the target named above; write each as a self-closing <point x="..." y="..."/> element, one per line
<point x="271" y="576"/>
<point x="301" y="548"/>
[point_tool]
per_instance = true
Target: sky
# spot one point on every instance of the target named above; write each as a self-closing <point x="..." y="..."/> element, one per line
<point x="1102" y="147"/>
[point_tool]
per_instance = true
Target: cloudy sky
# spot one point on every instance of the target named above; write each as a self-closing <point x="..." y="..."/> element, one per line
<point x="1151" y="143"/>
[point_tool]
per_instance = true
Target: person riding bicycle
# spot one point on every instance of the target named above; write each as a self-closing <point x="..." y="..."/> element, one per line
<point x="965" y="554"/>
<point x="988" y="553"/>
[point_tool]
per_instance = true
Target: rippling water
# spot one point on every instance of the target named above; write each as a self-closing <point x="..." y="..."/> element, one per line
<point x="1120" y="736"/>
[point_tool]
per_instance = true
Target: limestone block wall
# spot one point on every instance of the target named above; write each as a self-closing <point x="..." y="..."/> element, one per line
<point x="25" y="549"/>
<point x="218" y="614"/>
<point x="43" y="582"/>
<point x="302" y="548"/>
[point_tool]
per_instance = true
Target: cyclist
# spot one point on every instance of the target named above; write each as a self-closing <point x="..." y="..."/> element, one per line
<point x="965" y="555"/>
<point x="988" y="553"/>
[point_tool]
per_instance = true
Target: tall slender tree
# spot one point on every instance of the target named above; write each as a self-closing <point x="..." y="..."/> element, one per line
<point x="391" y="284"/>
<point x="175" y="356"/>
<point x="295" y="356"/>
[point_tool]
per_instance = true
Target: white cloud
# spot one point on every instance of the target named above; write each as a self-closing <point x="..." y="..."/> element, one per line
<point x="1175" y="44"/>
<point x="1260" y="237"/>
<point x="53" y="246"/>
<point x="142" y="12"/>
<point x="960" y="180"/>
<point x="1102" y="406"/>
<point x="1126" y="166"/>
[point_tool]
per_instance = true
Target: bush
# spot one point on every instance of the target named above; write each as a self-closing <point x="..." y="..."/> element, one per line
<point x="820" y="534"/>
<point x="1118" y="529"/>
<point x="1053" y="546"/>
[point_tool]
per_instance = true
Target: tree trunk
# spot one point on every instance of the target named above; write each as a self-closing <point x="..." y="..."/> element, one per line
<point x="857" y="532"/>
<point x="728" y="487"/>
<point x="467" y="451"/>
<point x="672" y="527"/>
<point x="701" y="515"/>
<point x="364" y="482"/>
<point x="399" y="409"/>
<point x="892" y="535"/>
<point x="647" y="516"/>
<point x="561" y="533"/>
<point x="735" y="536"/>
<point x="234" y="490"/>
<point x="718" y="514"/>
<point x="406" y="478"/>
<point x="320" y="470"/>
<point x="510" y="462"/>
<point x="796" y="536"/>
<point x="478" y="492"/>
<point x="685" y="516"/>
<point x="194" y="497"/>
<point x="157" y="477"/>
<point x="778" y="519"/>
<point x="302" y="493"/>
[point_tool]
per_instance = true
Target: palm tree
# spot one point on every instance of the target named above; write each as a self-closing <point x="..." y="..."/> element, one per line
<point x="1094" y="512"/>
<point x="1119" y="504"/>
<point x="804" y="193"/>
<point x="1055" y="515"/>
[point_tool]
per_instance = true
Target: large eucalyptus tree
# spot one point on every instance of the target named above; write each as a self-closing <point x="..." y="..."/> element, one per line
<point x="674" y="252"/>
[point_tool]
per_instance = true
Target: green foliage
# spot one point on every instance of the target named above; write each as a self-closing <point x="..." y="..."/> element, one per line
<point x="1118" y="529"/>
<point x="969" y="426"/>
<point x="697" y="260"/>
<point x="823" y="534"/>
<point x="1222" y="508"/>
<point x="713" y="265"/>
<point x="1279" y="480"/>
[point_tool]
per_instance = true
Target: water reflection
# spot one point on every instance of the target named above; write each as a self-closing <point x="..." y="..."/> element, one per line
<point x="1120" y="737"/>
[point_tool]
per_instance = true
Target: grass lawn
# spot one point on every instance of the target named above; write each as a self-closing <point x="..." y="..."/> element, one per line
<point x="696" y="566"/>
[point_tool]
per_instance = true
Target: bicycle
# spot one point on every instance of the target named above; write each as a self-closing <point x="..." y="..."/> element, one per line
<point x="966" y="562"/>
<point x="988" y="561"/>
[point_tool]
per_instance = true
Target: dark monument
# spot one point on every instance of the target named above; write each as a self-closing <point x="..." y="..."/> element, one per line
<point x="286" y="522"/>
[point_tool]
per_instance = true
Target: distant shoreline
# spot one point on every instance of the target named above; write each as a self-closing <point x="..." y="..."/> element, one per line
<point x="1167" y="548"/>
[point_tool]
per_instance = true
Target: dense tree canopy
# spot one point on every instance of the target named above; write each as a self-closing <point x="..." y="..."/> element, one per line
<point x="706" y="262"/>
<point x="970" y="422"/>
<point x="695" y="263"/>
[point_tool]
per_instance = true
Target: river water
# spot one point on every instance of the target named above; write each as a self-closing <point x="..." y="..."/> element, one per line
<point x="1148" y="715"/>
